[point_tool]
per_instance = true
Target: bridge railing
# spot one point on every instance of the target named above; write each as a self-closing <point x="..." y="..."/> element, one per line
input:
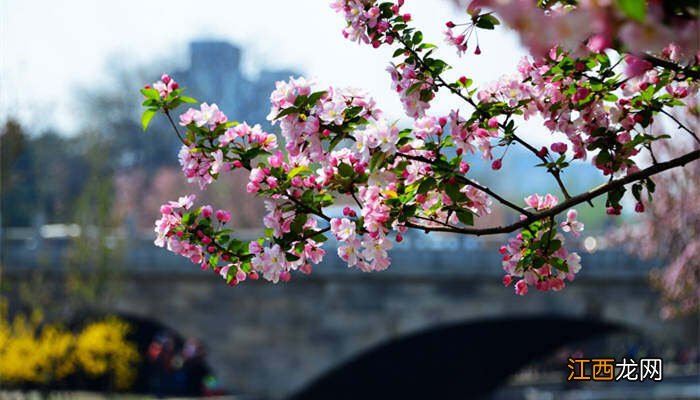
<point x="418" y="255"/>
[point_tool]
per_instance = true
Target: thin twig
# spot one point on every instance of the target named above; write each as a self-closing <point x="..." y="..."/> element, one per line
<point x="680" y="124"/>
<point x="172" y="123"/>
<point x="581" y="198"/>
<point x="466" y="181"/>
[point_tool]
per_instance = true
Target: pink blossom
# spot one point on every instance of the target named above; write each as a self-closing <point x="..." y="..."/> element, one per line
<point x="521" y="288"/>
<point x="571" y="224"/>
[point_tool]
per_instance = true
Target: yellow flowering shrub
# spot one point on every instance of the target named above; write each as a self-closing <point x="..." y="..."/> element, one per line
<point x="34" y="353"/>
<point x="102" y="348"/>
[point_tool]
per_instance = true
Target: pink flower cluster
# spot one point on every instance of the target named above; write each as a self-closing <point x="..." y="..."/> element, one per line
<point x="366" y="252"/>
<point x="414" y="89"/>
<point x="303" y="131"/>
<point x="196" y="165"/>
<point x="207" y="116"/>
<point x="470" y="138"/>
<point x="366" y="22"/>
<point x="528" y="255"/>
<point x="593" y="26"/>
<point x="272" y="261"/>
<point x="185" y="239"/>
<point x="165" y="86"/>
<point x="580" y="115"/>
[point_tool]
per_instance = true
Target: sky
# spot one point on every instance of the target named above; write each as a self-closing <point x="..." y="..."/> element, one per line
<point x="51" y="48"/>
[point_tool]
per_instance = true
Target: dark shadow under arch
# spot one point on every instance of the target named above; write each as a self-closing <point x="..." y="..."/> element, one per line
<point x="458" y="361"/>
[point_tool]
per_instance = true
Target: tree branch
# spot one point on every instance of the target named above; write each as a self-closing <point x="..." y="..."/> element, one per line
<point x="554" y="172"/>
<point x="680" y="125"/>
<point x="466" y="181"/>
<point x="581" y="198"/>
<point x="658" y="62"/>
<point x="172" y="123"/>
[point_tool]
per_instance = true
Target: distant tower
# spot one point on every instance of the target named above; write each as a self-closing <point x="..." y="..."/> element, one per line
<point x="215" y="75"/>
<point x="214" y="56"/>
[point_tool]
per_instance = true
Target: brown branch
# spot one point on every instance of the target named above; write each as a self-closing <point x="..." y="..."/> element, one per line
<point x="442" y="83"/>
<point x="658" y="62"/>
<point x="680" y="124"/>
<point x="554" y="172"/>
<point x="581" y="198"/>
<point x="466" y="181"/>
<point x="177" y="131"/>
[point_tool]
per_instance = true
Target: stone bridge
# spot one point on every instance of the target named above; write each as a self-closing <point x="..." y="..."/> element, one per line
<point x="272" y="339"/>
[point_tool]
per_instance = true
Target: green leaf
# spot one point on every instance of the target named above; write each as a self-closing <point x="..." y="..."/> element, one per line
<point x="147" y="117"/>
<point x="487" y="21"/>
<point x="465" y="217"/>
<point x="296" y="171"/>
<point x="634" y="9"/>
<point x="214" y="260"/>
<point x="427" y="185"/>
<point x="186" y="99"/>
<point x="314" y="97"/>
<point x="298" y="224"/>
<point x="417" y="37"/>
<point x="287" y="111"/>
<point x="455" y="195"/>
<point x="151" y="93"/>
<point x="376" y="160"/>
<point x="559" y="264"/>
<point x="345" y="170"/>
<point x="414" y="87"/>
<point x="320" y="238"/>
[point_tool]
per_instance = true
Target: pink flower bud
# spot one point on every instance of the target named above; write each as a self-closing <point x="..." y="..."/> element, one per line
<point x="223" y="216"/>
<point x="206" y="212"/>
<point x="450" y="24"/>
<point x="406" y="17"/>
<point x="477" y="51"/>
<point x="285" y="276"/>
<point x="639" y="207"/>
<point x="543" y="152"/>
<point x="206" y="240"/>
<point x="240" y="276"/>
<point x="271" y="181"/>
<point x="559" y="147"/>
<point x="254" y="247"/>
<point x="237" y="164"/>
<point x="521" y="288"/>
<point x="493" y="123"/>
<point x="166" y="209"/>
<point x="507" y="280"/>
<point x="442" y="121"/>
<point x="463" y="167"/>
<point x="306" y="268"/>
<point x="211" y="249"/>
<point x="496" y="165"/>
<point x="165" y="78"/>
<point x="399" y="238"/>
<point x="253" y="275"/>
